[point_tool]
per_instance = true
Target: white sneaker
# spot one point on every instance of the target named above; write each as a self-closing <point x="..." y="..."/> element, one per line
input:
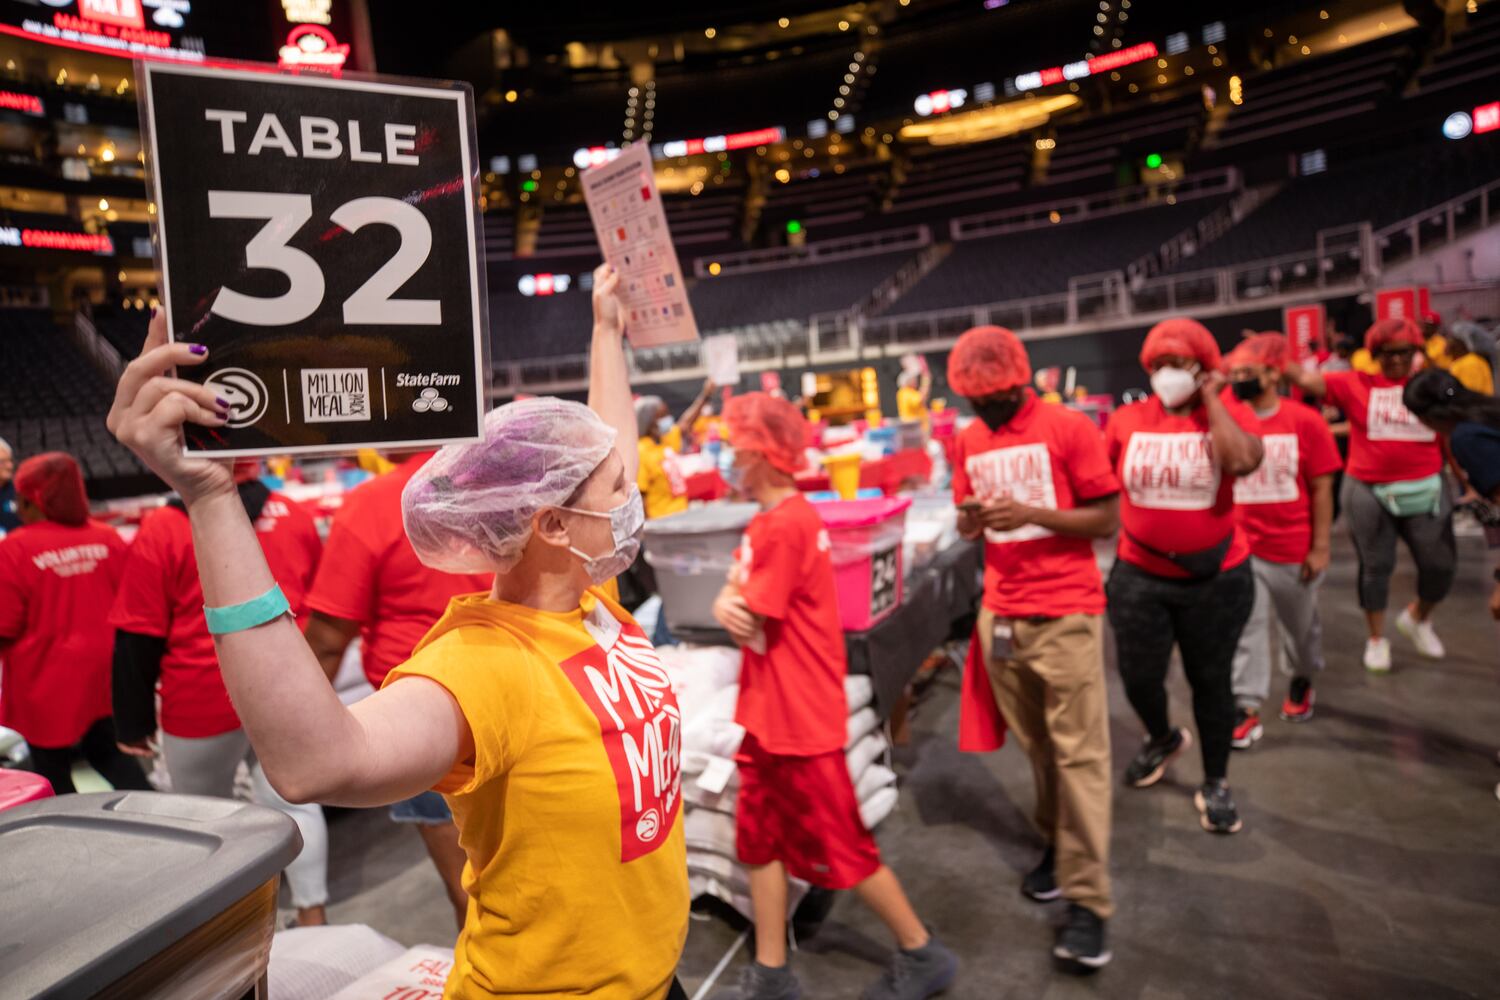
<point x="1421" y="635"/>
<point x="1378" y="656"/>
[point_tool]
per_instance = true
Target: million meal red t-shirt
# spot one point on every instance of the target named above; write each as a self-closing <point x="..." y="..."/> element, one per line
<point x="1051" y="457"/>
<point x="371" y="575"/>
<point x="160" y="596"/>
<point x="1387" y="443"/>
<point x="1176" y="498"/>
<point x="1274" y="503"/>
<point x="56" y="646"/>
<point x="792" y="696"/>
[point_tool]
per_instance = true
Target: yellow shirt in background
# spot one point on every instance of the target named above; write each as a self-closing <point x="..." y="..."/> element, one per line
<point x="1437" y="351"/>
<point x="656" y="489"/>
<point x="1362" y="361"/>
<point x="909" y="404"/>
<point x="570" y="812"/>
<point x="1474" y="372"/>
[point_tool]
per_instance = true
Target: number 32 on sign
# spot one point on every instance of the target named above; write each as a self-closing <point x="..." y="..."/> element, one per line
<point x="308" y="228"/>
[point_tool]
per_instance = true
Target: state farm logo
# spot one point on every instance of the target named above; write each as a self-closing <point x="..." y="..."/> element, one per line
<point x="429" y="402"/>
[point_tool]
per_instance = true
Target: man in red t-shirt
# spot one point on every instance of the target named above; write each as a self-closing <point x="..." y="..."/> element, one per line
<point x="56" y="571"/>
<point x="370" y="584"/>
<point x="1033" y="479"/>
<point x="797" y="811"/>
<point x="1285" y="508"/>
<point x="162" y="634"/>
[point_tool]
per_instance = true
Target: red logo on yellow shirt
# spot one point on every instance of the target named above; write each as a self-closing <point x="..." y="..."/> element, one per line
<point x="622" y="681"/>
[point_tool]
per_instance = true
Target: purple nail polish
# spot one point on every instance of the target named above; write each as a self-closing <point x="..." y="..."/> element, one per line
<point x="223" y="403"/>
<point x="199" y="349"/>
<point x="153" y="312"/>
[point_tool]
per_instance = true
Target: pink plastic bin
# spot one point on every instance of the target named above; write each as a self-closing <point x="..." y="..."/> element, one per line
<point x="17" y="787"/>
<point x="866" y="538"/>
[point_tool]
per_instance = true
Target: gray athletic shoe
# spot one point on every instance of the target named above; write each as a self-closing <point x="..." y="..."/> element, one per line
<point x="761" y="982"/>
<point x="916" y="975"/>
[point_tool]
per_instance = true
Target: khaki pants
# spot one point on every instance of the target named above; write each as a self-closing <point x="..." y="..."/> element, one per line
<point x="1051" y="691"/>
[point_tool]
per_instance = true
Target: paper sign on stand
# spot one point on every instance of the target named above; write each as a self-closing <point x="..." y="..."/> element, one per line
<point x="631" y="226"/>
<point x="319" y="235"/>
<point x="721" y="355"/>
<point x="1402" y="303"/>
<point x="419" y="974"/>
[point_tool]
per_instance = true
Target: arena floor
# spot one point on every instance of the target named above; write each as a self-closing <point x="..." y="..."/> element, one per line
<point x="1369" y="865"/>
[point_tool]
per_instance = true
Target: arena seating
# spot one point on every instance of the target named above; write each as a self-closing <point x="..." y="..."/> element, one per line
<point x="1035" y="262"/>
<point x="1469" y="62"/>
<point x="790" y="292"/>
<point x="123" y="328"/>
<point x="1091" y="150"/>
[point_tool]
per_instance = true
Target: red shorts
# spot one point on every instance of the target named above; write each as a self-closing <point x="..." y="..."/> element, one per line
<point x="801" y="811"/>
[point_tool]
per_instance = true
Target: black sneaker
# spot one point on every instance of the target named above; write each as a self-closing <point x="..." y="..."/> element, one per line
<point x="1040" y="883"/>
<point x="1298" y="706"/>
<point x="761" y="982"/>
<point x="1080" y="943"/>
<point x="1151" y="763"/>
<point x="1216" y="807"/>
<point x="917" y="974"/>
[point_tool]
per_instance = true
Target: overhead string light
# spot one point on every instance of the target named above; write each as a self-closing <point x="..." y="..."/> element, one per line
<point x="852" y="85"/>
<point x="1109" y="26"/>
<point x="648" y="115"/>
<point x="632" y="112"/>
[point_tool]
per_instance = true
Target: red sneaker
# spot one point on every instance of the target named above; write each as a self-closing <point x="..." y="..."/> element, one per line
<point x="1247" y="729"/>
<point x="1298" y="706"/>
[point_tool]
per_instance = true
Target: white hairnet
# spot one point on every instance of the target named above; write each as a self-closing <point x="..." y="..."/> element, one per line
<point x="646" y="409"/>
<point x="469" y="509"/>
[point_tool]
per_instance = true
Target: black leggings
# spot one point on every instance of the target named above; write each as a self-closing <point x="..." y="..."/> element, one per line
<point x="677" y="992"/>
<point x="1204" y="619"/>
<point x="98" y="748"/>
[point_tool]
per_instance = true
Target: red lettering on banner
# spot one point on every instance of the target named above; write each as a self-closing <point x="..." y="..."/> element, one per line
<point x="122" y="13"/>
<point x="622" y="681"/>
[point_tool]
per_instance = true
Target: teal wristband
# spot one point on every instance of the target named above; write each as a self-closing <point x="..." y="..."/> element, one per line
<point x="238" y="617"/>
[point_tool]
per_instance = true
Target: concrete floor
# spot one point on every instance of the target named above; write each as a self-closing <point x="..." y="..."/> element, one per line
<point x="1369" y="865"/>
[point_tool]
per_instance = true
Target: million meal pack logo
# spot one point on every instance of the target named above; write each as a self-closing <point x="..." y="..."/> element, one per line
<point x="622" y="681"/>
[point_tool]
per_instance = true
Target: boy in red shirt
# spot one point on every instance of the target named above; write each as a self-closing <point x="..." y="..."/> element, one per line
<point x="371" y="584"/>
<point x="1285" y="508"/>
<point x="56" y="571"/>
<point x="1034" y="480"/>
<point x="797" y="811"/>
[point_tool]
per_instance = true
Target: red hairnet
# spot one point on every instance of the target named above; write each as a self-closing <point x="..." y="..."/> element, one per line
<point x="1393" y="331"/>
<point x="774" y="427"/>
<point x="1181" y="337"/>
<point x="52" y="481"/>
<point x="987" y="359"/>
<point x="1269" y="349"/>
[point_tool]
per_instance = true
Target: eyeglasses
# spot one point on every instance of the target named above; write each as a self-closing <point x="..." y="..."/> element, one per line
<point x="1396" y="352"/>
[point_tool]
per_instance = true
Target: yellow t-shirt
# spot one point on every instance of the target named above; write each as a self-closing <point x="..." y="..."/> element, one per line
<point x="910" y="405"/>
<point x="1437" y="351"/>
<point x="1362" y="361"/>
<point x="1474" y="372"/>
<point x="570" y="812"/>
<point x="656" y="490"/>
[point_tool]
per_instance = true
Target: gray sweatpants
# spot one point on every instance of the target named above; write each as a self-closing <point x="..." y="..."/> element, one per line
<point x="1374" y="529"/>
<point x="207" y="765"/>
<point x="1284" y="607"/>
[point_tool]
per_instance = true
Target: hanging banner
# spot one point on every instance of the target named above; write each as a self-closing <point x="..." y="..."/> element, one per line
<point x="1304" y="326"/>
<point x="631" y="225"/>
<point x="319" y="236"/>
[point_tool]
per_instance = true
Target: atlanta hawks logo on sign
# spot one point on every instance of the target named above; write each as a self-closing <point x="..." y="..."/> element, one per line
<point x="623" y="683"/>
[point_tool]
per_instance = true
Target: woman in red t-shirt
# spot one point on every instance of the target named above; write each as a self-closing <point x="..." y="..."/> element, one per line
<point x="1181" y="574"/>
<point x="56" y="572"/>
<point x="1393" y="486"/>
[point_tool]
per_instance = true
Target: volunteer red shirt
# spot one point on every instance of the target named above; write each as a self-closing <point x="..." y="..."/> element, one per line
<point x="792" y="696"/>
<point x="1051" y="457"/>
<point x="1387" y="442"/>
<point x="1274" y="503"/>
<point x="160" y="595"/>
<point x="370" y="574"/>
<point x="1175" y="498"/>
<point x="57" y="648"/>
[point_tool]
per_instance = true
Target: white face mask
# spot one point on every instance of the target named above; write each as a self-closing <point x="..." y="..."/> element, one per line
<point x="625" y="524"/>
<point x="1174" y="386"/>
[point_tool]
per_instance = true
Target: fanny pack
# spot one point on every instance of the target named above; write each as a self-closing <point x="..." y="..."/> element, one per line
<point x="1411" y="497"/>
<point x="1204" y="564"/>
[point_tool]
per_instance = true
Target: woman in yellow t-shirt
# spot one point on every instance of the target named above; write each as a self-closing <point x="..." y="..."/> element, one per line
<point x="657" y="433"/>
<point x="1473" y="370"/>
<point x="539" y="709"/>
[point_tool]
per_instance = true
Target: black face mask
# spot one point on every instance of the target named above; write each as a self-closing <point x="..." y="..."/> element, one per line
<point x="1247" y="389"/>
<point x="996" y="413"/>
